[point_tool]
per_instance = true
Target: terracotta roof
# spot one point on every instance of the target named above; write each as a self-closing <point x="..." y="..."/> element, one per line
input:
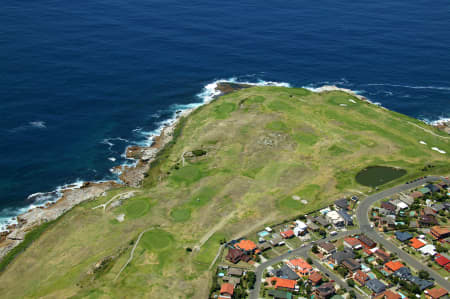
<point x="315" y="277"/>
<point x="227" y="288"/>
<point x="352" y="241"/>
<point x="394" y="266"/>
<point x="246" y="245"/>
<point x="416" y="194"/>
<point x="437" y="293"/>
<point x="440" y="230"/>
<point x="300" y="263"/>
<point x="416" y="243"/>
<point x="361" y="277"/>
<point x="287" y="234"/>
<point x="442" y="260"/>
<point x="285" y="283"/>
<point x="388" y="294"/>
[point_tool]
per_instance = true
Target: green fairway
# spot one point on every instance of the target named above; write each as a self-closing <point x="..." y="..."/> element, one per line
<point x="247" y="159"/>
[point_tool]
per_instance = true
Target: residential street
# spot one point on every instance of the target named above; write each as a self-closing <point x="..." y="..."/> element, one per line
<point x="363" y="220"/>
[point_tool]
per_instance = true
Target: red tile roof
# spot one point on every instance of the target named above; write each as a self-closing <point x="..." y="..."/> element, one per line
<point x="287" y="234"/>
<point x="394" y="266"/>
<point x="227" y="288"/>
<point x="285" y="283"/>
<point x="442" y="260"/>
<point x="301" y="265"/>
<point x="352" y="241"/>
<point x="388" y="294"/>
<point x="437" y="293"/>
<point x="416" y="243"/>
<point x="246" y="245"/>
<point x="315" y="277"/>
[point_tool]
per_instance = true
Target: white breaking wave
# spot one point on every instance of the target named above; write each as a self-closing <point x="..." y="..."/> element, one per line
<point x="112" y="159"/>
<point x="410" y="86"/>
<point x="38" y="124"/>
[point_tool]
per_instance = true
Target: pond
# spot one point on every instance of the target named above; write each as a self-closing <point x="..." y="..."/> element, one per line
<point x="374" y="176"/>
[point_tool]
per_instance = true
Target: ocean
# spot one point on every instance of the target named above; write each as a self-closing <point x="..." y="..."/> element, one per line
<point x="82" y="80"/>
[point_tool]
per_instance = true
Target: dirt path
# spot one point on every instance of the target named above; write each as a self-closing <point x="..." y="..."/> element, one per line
<point x="217" y="227"/>
<point x="132" y="253"/>
<point x="124" y="194"/>
<point x="429" y="131"/>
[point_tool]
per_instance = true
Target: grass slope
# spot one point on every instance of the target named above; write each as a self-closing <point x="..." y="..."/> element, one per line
<point x="264" y="145"/>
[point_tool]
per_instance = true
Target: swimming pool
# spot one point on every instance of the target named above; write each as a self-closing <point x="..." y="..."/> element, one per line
<point x="263" y="234"/>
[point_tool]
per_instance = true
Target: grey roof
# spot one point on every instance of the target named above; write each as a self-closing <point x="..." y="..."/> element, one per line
<point x="341" y="203"/>
<point x="340" y="256"/>
<point x="351" y="264"/>
<point x="433" y="188"/>
<point x="421" y="283"/>
<point x="322" y="221"/>
<point x="366" y="240"/>
<point x="403" y="273"/>
<point x="437" y="207"/>
<point x="403" y="236"/>
<point x="327" y="246"/>
<point x="279" y="294"/>
<point x="376" y="286"/>
<point x="286" y="272"/>
<point x="347" y="218"/>
<point x="407" y="199"/>
<point x="235" y="271"/>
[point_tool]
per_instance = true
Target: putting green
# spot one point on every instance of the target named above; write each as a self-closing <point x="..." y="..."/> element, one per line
<point x="137" y="208"/>
<point x="156" y="240"/>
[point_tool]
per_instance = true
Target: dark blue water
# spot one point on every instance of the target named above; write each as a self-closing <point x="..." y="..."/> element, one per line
<point x="75" y="76"/>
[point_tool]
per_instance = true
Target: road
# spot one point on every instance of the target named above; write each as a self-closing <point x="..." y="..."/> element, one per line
<point x="364" y="225"/>
<point x="363" y="220"/>
<point x="302" y="251"/>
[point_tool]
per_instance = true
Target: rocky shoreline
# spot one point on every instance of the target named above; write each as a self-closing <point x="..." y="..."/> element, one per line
<point x="129" y="175"/>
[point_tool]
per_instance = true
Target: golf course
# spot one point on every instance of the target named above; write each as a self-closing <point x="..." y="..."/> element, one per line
<point x="248" y="159"/>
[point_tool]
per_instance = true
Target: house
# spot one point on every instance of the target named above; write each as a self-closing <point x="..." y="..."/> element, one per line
<point x="388" y="294"/>
<point x="321" y="221"/>
<point x="382" y="255"/>
<point x="247" y="246"/>
<point x="433" y="188"/>
<point x="287" y="234"/>
<point x="286" y="272"/>
<point x="335" y="219"/>
<point x="400" y="205"/>
<point x="341" y="204"/>
<point x="424" y="190"/>
<point x="313" y="227"/>
<point x="428" y="249"/>
<point x="326" y="247"/>
<point x="300" y="228"/>
<point x="325" y="290"/>
<point x="376" y="286"/>
<point x="428" y="220"/>
<point x="403" y="236"/>
<point x="437" y="207"/>
<point x="421" y="283"/>
<point x="416" y="194"/>
<point x="277" y="294"/>
<point x="416" y="243"/>
<point x="441" y="260"/>
<point x="388" y="206"/>
<point x="284" y="284"/>
<point x="352" y="265"/>
<point x="393" y="266"/>
<point x="234" y="255"/>
<point x="352" y="243"/>
<point x="315" y="278"/>
<point x="348" y="220"/>
<point x="300" y="266"/>
<point x="367" y="242"/>
<point x="388" y="221"/>
<point x="235" y="272"/>
<point x="403" y="273"/>
<point x="427" y="211"/>
<point x="264" y="246"/>
<point x="361" y="277"/>
<point x="436" y="293"/>
<point x="413" y="224"/>
<point x="277" y="240"/>
<point x="340" y="256"/>
<point x="233" y="280"/>
<point x="439" y="232"/>
<point x="226" y="290"/>
<point x="407" y="199"/>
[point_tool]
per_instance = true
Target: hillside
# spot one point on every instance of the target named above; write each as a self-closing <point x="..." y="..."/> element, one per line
<point x="234" y="167"/>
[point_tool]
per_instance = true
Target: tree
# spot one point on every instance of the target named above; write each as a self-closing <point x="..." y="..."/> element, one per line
<point x="251" y="279"/>
<point x="440" y="248"/>
<point x="315" y="249"/>
<point x="322" y="232"/>
<point x="424" y="274"/>
<point x="342" y="271"/>
<point x="352" y="294"/>
<point x="309" y="260"/>
<point x="351" y="283"/>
